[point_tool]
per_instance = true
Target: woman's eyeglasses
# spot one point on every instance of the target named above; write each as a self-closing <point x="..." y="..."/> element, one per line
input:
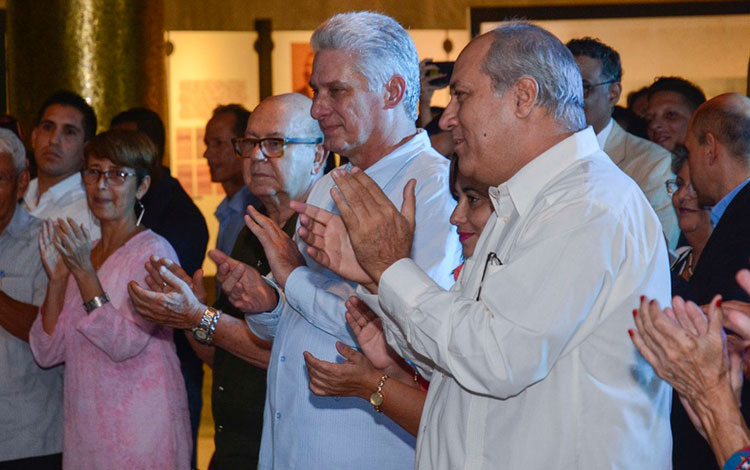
<point x="113" y="177"/>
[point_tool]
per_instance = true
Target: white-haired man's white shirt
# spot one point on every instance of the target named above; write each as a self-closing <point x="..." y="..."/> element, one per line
<point x="532" y="365"/>
<point x="65" y="199"/>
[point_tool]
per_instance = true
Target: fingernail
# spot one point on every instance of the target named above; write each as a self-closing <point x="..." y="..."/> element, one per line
<point x="635" y="312"/>
<point x="718" y="302"/>
<point x="162" y="269"/>
<point x="631" y="333"/>
<point x="167" y="261"/>
<point x="643" y="297"/>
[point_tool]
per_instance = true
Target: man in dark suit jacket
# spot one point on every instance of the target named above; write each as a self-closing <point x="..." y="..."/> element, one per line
<point x="719" y="144"/>
<point x="718" y="140"/>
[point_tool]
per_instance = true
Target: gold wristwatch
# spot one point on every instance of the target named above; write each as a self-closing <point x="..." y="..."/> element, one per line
<point x="376" y="399"/>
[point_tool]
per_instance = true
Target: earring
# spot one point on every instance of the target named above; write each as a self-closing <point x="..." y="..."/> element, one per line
<point x="139" y="205"/>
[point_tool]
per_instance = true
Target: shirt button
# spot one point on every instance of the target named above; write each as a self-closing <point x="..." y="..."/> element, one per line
<point x="278" y="415"/>
<point x="258" y="263"/>
<point x="282" y="358"/>
<point x="219" y="428"/>
<point x="221" y="389"/>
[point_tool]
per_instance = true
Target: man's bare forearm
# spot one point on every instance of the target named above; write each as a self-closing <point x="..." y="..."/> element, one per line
<point x="234" y="336"/>
<point x="16" y="317"/>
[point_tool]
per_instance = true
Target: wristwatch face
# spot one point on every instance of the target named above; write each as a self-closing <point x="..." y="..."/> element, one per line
<point x="376" y="399"/>
<point x="200" y="334"/>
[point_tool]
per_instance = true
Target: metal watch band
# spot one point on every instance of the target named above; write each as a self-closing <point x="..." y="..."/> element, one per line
<point x="96" y="302"/>
<point x="204" y="331"/>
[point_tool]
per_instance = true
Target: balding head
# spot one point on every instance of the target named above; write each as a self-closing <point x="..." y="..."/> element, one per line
<point x="727" y="118"/>
<point x="276" y="180"/>
<point x="718" y="142"/>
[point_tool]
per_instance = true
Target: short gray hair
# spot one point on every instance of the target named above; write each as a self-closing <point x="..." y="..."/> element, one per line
<point x="385" y="49"/>
<point x="522" y="49"/>
<point x="12" y="145"/>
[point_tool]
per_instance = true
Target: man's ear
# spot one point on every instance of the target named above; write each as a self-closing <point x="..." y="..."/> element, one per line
<point x="711" y="148"/>
<point x="525" y="92"/>
<point x="395" y="88"/>
<point x="23" y="183"/>
<point x="615" y="90"/>
<point x="321" y="157"/>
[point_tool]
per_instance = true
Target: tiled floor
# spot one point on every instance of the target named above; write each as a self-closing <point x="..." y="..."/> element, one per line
<point x="206" y="430"/>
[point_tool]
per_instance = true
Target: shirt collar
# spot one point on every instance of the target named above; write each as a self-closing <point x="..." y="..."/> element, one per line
<point x="604" y="134"/>
<point x="235" y="205"/>
<point x="386" y="169"/>
<point x="718" y="210"/>
<point x="18" y="224"/>
<point x="60" y="189"/>
<point x="525" y="186"/>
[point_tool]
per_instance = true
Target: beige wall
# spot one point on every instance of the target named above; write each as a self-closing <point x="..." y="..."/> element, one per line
<point x="307" y="14"/>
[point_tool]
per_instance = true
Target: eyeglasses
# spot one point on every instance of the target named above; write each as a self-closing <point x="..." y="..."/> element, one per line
<point x="113" y="177"/>
<point x="587" y="87"/>
<point x="271" y="147"/>
<point x="674" y="186"/>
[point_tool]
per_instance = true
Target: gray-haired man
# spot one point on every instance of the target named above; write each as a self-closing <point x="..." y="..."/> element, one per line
<point x="30" y="398"/>
<point x="366" y="83"/>
<point x="531" y="362"/>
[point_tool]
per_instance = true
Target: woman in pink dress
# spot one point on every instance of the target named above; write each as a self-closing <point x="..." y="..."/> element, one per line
<point x="125" y="405"/>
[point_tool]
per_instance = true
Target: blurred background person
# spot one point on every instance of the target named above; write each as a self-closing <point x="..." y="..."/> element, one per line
<point x="694" y="222"/>
<point x="671" y="102"/>
<point x="64" y="124"/>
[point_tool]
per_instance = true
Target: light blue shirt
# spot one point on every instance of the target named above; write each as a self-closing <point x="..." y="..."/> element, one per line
<point x="31" y="406"/>
<point x="718" y="210"/>
<point x="300" y="429"/>
<point x="231" y="216"/>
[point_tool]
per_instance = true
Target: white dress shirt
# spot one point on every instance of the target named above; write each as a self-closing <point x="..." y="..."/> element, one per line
<point x="302" y="430"/>
<point x="650" y="166"/>
<point x="540" y="372"/>
<point x="65" y="199"/>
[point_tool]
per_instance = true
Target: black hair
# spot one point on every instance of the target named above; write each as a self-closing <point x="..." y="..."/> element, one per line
<point x="68" y="98"/>
<point x="594" y="48"/>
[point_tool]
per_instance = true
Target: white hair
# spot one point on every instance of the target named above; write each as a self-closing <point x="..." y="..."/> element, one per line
<point x="12" y="145"/>
<point x="384" y="47"/>
<point x="521" y="49"/>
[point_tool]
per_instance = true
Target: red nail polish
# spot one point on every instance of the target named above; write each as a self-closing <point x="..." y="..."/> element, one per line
<point x="635" y="312"/>
<point x="630" y="332"/>
<point x="643" y="297"/>
<point x="718" y="302"/>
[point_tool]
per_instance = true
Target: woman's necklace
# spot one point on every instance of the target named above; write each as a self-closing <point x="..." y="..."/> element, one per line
<point x="690" y="264"/>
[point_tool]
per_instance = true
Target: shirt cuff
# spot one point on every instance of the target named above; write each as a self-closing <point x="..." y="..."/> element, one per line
<point x="400" y="287"/>
<point x="263" y="325"/>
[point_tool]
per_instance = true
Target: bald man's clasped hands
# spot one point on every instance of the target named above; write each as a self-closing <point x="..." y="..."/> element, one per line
<point x="370" y="234"/>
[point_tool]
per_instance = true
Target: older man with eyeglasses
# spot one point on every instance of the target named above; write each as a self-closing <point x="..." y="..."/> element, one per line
<point x="282" y="157"/>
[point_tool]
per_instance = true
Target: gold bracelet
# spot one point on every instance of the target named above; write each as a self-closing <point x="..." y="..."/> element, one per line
<point x="376" y="399"/>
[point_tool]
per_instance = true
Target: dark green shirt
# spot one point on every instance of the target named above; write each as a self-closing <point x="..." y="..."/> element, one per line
<point x="239" y="389"/>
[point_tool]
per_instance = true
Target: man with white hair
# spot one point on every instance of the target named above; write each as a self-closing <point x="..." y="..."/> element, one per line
<point x="366" y="84"/>
<point x="531" y="360"/>
<point x="30" y="398"/>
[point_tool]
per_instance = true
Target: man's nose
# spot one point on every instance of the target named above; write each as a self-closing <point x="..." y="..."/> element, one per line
<point x="448" y="120"/>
